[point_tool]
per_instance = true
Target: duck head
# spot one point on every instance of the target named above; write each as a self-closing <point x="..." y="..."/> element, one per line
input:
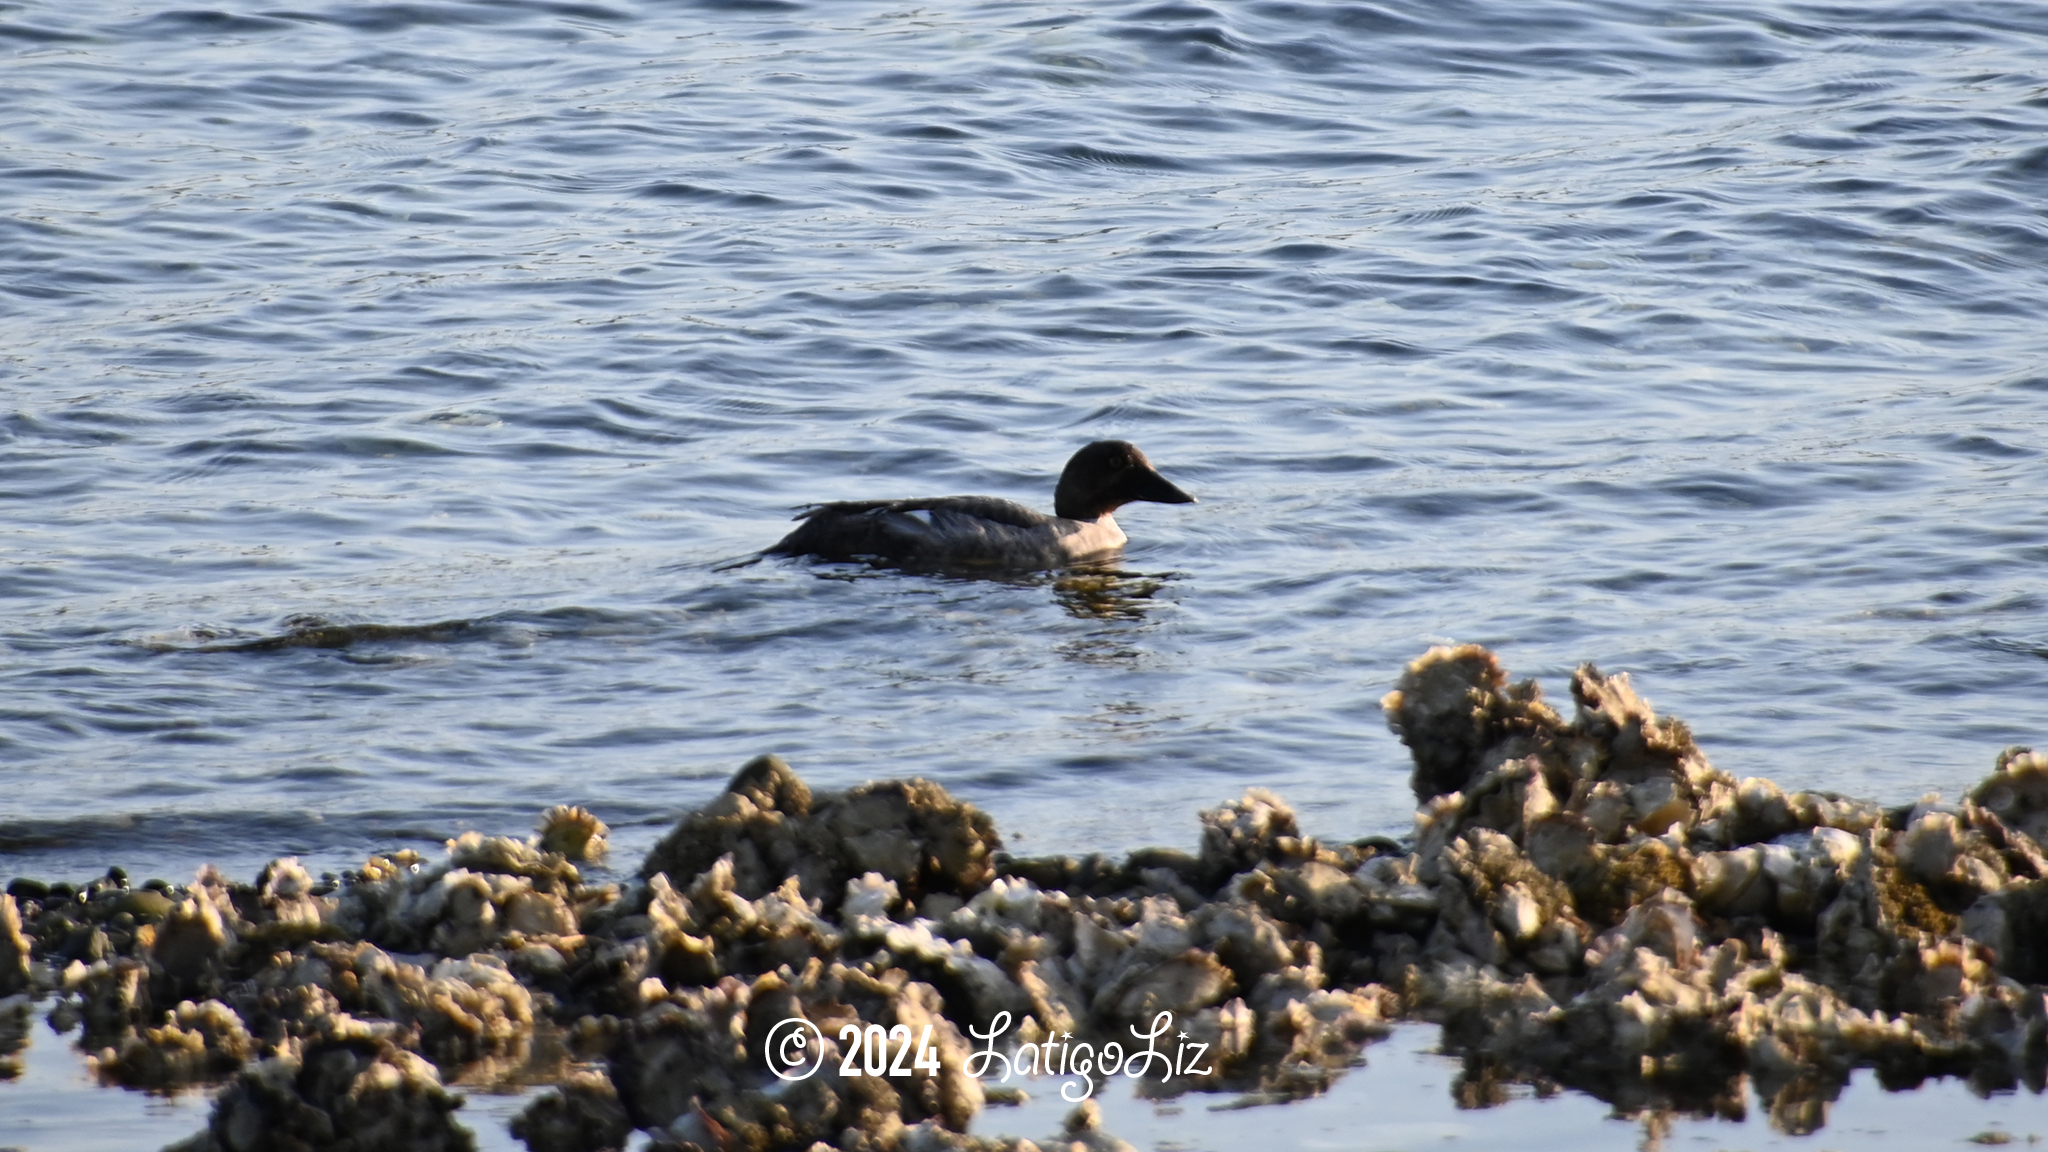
<point x="1107" y="475"/>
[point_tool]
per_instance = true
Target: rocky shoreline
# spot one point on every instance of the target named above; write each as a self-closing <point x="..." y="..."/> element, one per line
<point x="1586" y="903"/>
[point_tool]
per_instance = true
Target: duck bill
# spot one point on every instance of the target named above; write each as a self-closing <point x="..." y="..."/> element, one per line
<point x="1150" y="485"/>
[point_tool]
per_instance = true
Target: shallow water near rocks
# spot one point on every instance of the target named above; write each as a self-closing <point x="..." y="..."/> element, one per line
<point x="1399" y="1098"/>
<point x="1706" y="345"/>
<point x="43" y="1109"/>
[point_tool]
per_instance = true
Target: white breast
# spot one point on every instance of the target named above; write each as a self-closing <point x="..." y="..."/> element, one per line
<point x="1092" y="537"/>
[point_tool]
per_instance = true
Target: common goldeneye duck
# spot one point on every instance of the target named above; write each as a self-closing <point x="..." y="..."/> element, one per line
<point x="987" y="532"/>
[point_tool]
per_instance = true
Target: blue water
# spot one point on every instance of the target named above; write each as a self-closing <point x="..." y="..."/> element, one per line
<point x="1705" y="342"/>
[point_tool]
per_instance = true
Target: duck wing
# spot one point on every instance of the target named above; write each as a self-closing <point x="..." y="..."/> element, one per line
<point x="976" y="530"/>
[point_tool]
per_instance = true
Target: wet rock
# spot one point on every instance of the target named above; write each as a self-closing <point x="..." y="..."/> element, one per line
<point x="909" y="832"/>
<point x="693" y="1065"/>
<point x="1239" y="835"/>
<point x="1584" y="903"/>
<point x="191" y="950"/>
<point x="698" y="937"/>
<point x="2017" y="792"/>
<point x="490" y="891"/>
<point x="687" y="1045"/>
<point x="1953" y="860"/>
<point x="348" y="1091"/>
<point x="1685" y="882"/>
<point x="195" y="1044"/>
<point x="2013" y="926"/>
<point x="1499" y="908"/>
<point x="1460" y="718"/>
<point x="284" y="896"/>
<point x="1648" y="765"/>
<point x="1310" y="1038"/>
<point x="1182" y="984"/>
<point x="580" y="1114"/>
<point x="573" y="833"/>
<point x="465" y="1011"/>
<point x="112" y="997"/>
<point x="17" y="1019"/>
<point x="1244" y="938"/>
<point x="15" y="949"/>
<point x="761" y="820"/>
<point x="974" y="987"/>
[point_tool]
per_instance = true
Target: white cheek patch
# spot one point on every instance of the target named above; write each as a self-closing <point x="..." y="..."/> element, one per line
<point x="921" y="515"/>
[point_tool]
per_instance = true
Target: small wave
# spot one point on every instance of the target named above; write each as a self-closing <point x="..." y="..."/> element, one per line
<point x="207" y="23"/>
<point x="59" y="177"/>
<point x="319" y="632"/>
<point x="33" y="35"/>
<point x="675" y="190"/>
<point x="1114" y="158"/>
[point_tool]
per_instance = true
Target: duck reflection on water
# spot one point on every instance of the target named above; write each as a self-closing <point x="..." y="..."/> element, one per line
<point x="1088" y="592"/>
<point x="1106" y="593"/>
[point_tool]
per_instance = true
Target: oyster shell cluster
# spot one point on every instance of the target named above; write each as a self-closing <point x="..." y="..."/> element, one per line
<point x="1585" y="902"/>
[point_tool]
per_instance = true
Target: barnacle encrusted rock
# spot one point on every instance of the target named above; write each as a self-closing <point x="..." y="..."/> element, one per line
<point x="1459" y="716"/>
<point x="1584" y="903"/>
<point x="15" y="949"/>
<point x="195" y="1043"/>
<point x="1616" y="915"/>
<point x="580" y="1114"/>
<point x="490" y="891"/>
<point x="350" y="1090"/>
<point x="17" y="1019"/>
<point x="908" y="831"/>
<point x="573" y="833"/>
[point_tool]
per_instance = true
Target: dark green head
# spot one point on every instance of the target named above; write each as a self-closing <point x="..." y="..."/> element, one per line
<point x="1107" y="475"/>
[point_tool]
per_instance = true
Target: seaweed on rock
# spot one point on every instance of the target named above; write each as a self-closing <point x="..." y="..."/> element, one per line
<point x="1585" y="902"/>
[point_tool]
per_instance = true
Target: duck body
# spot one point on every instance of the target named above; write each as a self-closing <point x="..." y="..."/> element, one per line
<point x="987" y="532"/>
<point x="967" y="531"/>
